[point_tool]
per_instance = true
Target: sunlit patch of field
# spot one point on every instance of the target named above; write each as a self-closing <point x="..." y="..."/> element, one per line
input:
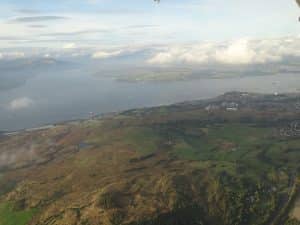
<point x="11" y="216"/>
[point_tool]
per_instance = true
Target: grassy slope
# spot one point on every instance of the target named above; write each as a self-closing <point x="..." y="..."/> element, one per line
<point x="10" y="216"/>
<point x="155" y="166"/>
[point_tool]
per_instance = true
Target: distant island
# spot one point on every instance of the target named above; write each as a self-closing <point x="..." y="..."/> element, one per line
<point x="161" y="74"/>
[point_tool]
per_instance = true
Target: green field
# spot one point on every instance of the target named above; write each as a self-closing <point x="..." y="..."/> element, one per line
<point x="10" y="216"/>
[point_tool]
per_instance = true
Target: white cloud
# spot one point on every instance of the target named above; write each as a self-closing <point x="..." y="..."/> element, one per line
<point x="15" y="55"/>
<point x="118" y="51"/>
<point x="20" y="103"/>
<point x="69" y="46"/>
<point x="241" y="51"/>
<point x="237" y="52"/>
<point x="194" y="54"/>
<point x="12" y="55"/>
<point x="106" y="54"/>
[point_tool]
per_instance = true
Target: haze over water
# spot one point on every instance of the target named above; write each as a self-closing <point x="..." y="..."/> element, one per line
<point x="67" y="96"/>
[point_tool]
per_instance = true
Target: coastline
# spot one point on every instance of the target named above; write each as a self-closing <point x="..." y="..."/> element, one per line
<point x="237" y="94"/>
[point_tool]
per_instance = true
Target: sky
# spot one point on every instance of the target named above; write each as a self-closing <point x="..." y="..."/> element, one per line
<point x="176" y="31"/>
<point x="102" y="23"/>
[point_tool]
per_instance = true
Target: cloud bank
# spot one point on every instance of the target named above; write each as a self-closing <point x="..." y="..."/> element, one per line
<point x="241" y="51"/>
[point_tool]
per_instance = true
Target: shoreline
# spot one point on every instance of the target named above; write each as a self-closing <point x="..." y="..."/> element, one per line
<point x="103" y="115"/>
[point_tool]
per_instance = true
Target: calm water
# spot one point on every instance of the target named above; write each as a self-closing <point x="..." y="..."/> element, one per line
<point x="69" y="96"/>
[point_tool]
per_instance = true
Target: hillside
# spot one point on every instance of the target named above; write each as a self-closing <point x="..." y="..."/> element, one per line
<point x="232" y="160"/>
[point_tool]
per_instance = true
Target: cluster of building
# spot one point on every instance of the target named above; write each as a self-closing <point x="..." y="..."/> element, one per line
<point x="293" y="130"/>
<point x="228" y="106"/>
<point x="297" y="105"/>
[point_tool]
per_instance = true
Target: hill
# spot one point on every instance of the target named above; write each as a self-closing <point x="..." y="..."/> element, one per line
<point x="232" y="160"/>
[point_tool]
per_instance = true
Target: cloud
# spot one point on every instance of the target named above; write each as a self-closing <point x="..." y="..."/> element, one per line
<point x="120" y="51"/>
<point x="11" y="38"/>
<point x="106" y="54"/>
<point x="37" y="26"/>
<point x="241" y="51"/>
<point x="30" y="19"/>
<point x="20" y="103"/>
<point x="120" y="11"/>
<point x="47" y="55"/>
<point x="28" y="11"/>
<point x="69" y="46"/>
<point x="12" y="55"/>
<point x="15" y="157"/>
<point x="78" y="32"/>
<point x="142" y="26"/>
